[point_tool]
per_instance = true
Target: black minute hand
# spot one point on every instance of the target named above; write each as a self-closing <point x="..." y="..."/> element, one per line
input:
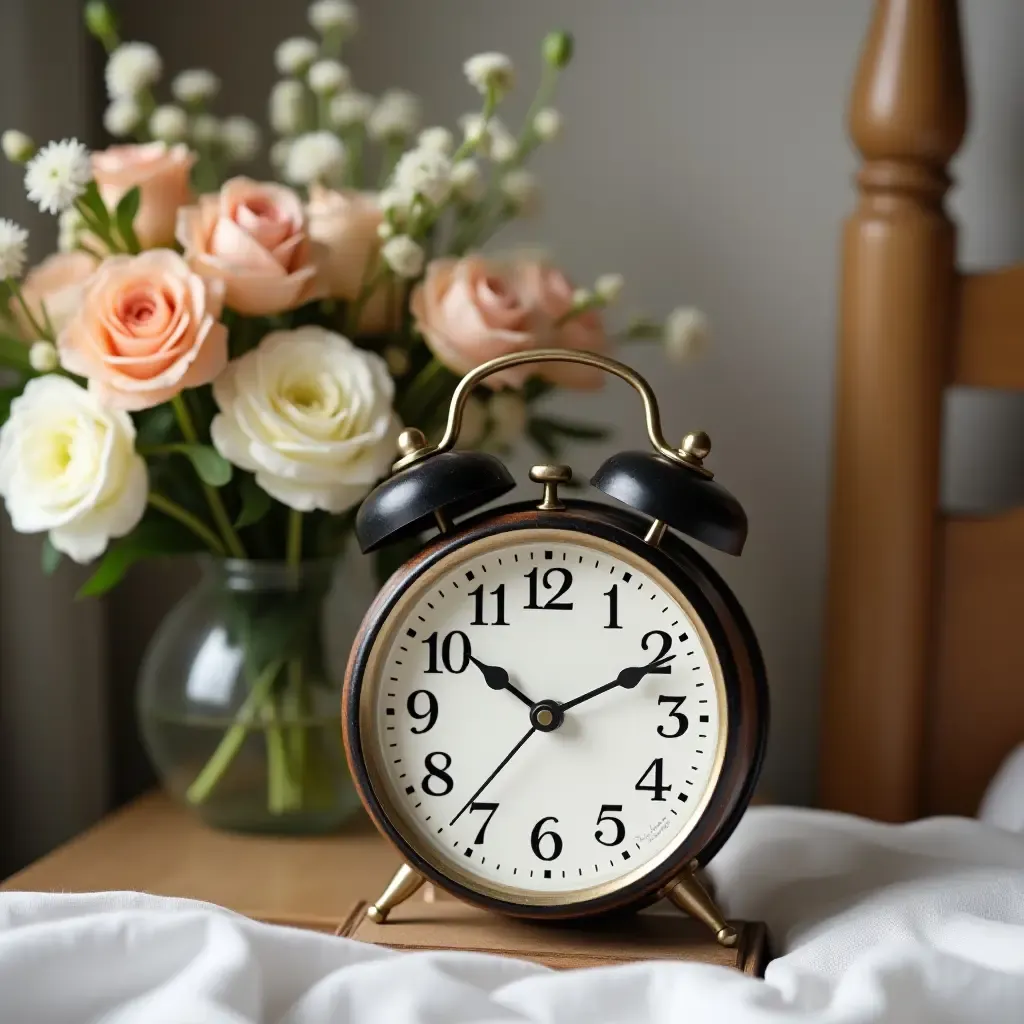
<point x="490" y="778"/>
<point x="627" y="678"/>
<point x="497" y="679"/>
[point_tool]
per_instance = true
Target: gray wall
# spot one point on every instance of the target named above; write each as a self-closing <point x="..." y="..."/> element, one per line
<point x="705" y="159"/>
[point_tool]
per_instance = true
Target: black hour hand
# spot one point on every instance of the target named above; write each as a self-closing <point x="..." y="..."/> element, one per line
<point x="497" y="679"/>
<point x="629" y="677"/>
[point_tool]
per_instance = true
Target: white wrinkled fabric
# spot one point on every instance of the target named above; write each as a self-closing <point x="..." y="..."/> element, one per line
<point x="912" y="924"/>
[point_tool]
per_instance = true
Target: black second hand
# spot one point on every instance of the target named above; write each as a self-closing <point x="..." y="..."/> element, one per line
<point x="490" y="778"/>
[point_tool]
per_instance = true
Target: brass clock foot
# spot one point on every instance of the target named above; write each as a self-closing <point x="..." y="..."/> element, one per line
<point x="690" y="896"/>
<point x="400" y="888"/>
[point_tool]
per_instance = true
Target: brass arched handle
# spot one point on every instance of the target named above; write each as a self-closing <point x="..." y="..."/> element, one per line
<point x="557" y="355"/>
<point x="413" y="445"/>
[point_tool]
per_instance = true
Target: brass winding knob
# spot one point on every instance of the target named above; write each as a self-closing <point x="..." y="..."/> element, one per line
<point x="551" y="477"/>
<point x="412" y="446"/>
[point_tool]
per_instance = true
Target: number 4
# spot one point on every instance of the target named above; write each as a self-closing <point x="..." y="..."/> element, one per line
<point x="658" y="788"/>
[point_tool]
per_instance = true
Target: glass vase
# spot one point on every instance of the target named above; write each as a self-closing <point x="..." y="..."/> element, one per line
<point x="237" y="706"/>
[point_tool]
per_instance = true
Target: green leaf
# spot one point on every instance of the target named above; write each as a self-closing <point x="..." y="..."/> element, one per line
<point x="576" y="431"/>
<point x="50" y="557"/>
<point x="212" y="467"/>
<point x="124" y="217"/>
<point x="14" y="352"/>
<point x="152" y="538"/>
<point x="93" y="203"/>
<point x="155" y="426"/>
<point x="255" y="503"/>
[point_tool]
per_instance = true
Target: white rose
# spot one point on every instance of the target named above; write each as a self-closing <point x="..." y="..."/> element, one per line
<point x="68" y="465"/>
<point x="311" y="415"/>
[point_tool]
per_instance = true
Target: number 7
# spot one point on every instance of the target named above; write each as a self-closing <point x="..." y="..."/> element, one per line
<point x="490" y="809"/>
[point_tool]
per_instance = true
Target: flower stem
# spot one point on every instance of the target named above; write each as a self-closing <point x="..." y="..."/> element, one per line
<point x="231" y="540"/>
<point x="186" y="518"/>
<point x="294" y="549"/>
<point x="420" y="391"/>
<point x="232" y="741"/>
<point x="296" y="745"/>
<point x="40" y="331"/>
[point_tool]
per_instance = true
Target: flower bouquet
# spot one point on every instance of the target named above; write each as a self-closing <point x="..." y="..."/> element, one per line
<point x="216" y="364"/>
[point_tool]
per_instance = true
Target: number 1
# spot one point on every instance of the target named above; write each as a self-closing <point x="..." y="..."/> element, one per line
<point x="613" y="607"/>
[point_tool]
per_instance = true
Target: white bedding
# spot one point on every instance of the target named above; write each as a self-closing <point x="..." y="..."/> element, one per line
<point x="915" y="924"/>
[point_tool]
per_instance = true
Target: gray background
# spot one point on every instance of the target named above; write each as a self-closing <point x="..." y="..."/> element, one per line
<point x="705" y="158"/>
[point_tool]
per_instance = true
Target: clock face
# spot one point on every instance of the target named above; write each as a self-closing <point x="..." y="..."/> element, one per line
<point x="543" y="716"/>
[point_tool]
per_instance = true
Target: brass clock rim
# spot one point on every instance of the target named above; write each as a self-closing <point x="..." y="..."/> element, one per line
<point x="387" y="799"/>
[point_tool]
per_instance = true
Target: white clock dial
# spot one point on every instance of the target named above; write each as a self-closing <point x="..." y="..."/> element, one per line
<point x="582" y="789"/>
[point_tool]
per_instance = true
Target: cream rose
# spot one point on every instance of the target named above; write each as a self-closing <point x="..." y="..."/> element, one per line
<point x="345" y="224"/>
<point x="68" y="465"/>
<point x="59" y="282"/>
<point x="254" y="238"/>
<point x="310" y="414"/>
<point x="147" y="328"/>
<point x="474" y="309"/>
<point x="162" y="174"/>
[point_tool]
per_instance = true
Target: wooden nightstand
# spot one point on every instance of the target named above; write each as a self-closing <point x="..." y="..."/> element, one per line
<point x="322" y="884"/>
<point x="153" y="846"/>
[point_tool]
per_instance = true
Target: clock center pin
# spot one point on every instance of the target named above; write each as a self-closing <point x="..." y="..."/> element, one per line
<point x="546" y="715"/>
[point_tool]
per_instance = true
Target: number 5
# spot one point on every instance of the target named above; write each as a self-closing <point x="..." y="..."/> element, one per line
<point x="620" y="829"/>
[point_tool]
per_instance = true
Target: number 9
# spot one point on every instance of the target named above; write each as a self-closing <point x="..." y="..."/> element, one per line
<point x="430" y="714"/>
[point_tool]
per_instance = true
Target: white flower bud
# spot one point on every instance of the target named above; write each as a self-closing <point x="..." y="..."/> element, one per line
<point x="131" y="69"/>
<point x="13" y="240"/>
<point x="42" y="357"/>
<point x="425" y="172"/>
<point x="294" y="56"/>
<point x="687" y="334"/>
<point x="487" y="71"/>
<point x="397" y="359"/>
<point x="206" y="130"/>
<point x="241" y="139"/>
<point x="333" y="16"/>
<point x="582" y="297"/>
<point x="327" y="77"/>
<point x="350" y="108"/>
<point x="404" y="256"/>
<point x="17" y="146"/>
<point x="521" y="189"/>
<point x="385" y="230"/>
<point x="70" y="229"/>
<point x="396" y="116"/>
<point x="279" y="153"/>
<point x="468" y="182"/>
<point x="437" y="138"/>
<point x="169" y="123"/>
<point x="195" y="86"/>
<point x="508" y="414"/>
<point x="547" y="123"/>
<point x="608" y="287"/>
<point x="122" y="117"/>
<point x="315" y="157"/>
<point x="287" y="101"/>
<point x="503" y="143"/>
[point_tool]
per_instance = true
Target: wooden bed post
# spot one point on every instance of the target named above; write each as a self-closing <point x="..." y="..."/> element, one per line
<point x="907" y="119"/>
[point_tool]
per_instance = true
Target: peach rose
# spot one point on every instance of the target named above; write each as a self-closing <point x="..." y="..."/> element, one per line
<point x="546" y="288"/>
<point x="474" y="309"/>
<point x="345" y="224"/>
<point x="147" y="329"/>
<point x="59" y="282"/>
<point x="254" y="238"/>
<point x="162" y="174"/>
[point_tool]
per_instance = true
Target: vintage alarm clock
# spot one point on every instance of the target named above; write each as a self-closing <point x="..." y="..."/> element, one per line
<point x="557" y="708"/>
